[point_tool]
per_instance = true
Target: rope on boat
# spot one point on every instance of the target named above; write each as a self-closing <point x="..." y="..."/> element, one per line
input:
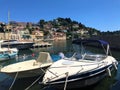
<point x="35" y="80"/>
<point x="99" y="64"/>
<point x="13" y="81"/>
<point x="65" y="86"/>
<point x="114" y="65"/>
<point x="109" y="72"/>
<point x="42" y="70"/>
<point x="53" y="73"/>
<point x="33" y="83"/>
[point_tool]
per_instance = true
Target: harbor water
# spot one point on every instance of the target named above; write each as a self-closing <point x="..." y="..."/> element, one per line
<point x="6" y="82"/>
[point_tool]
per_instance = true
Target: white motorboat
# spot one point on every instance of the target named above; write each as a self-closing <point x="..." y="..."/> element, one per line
<point x="17" y="44"/>
<point x="7" y="53"/>
<point x="80" y="70"/>
<point x="29" y="68"/>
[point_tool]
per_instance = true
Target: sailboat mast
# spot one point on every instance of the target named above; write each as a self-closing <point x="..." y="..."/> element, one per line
<point x="8" y="18"/>
<point x="8" y="26"/>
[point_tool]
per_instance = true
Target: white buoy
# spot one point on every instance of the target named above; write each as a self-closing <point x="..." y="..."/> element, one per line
<point x="114" y="65"/>
<point x="61" y="55"/>
<point x="109" y="72"/>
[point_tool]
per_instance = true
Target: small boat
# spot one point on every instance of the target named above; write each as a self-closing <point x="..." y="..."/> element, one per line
<point x="29" y="68"/>
<point x="17" y="44"/>
<point x="82" y="69"/>
<point x="7" y="53"/>
<point x="41" y="44"/>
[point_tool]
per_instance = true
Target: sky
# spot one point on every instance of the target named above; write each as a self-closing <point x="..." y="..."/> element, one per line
<point x="103" y="15"/>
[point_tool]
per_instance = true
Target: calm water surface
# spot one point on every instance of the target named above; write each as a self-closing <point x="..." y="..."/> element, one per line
<point x="61" y="46"/>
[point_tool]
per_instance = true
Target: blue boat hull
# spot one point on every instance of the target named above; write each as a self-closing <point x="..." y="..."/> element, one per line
<point x="7" y="57"/>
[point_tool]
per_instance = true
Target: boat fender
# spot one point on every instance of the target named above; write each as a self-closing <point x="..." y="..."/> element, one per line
<point x="61" y="55"/>
<point x="108" y="72"/>
<point x="33" y="55"/>
<point x="114" y="65"/>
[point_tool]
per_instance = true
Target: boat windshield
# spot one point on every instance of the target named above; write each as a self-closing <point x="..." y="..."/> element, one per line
<point x="89" y="52"/>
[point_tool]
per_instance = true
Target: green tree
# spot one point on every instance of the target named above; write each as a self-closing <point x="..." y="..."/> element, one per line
<point x="2" y="27"/>
<point x="29" y="27"/>
<point x="41" y="23"/>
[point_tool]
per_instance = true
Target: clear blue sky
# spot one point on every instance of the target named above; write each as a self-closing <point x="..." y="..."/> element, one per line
<point x="103" y="15"/>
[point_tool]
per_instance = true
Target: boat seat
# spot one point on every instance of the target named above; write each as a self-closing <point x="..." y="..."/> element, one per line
<point x="44" y="57"/>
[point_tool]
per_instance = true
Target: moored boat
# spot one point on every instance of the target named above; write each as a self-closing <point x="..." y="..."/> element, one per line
<point x="7" y="53"/>
<point x="29" y="68"/>
<point x="83" y="69"/>
<point x="17" y="44"/>
<point x="41" y="44"/>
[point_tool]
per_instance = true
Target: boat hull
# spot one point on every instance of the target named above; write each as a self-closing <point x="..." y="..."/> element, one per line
<point x="19" y="45"/>
<point x="80" y="81"/>
<point x="28" y="73"/>
<point x="84" y="68"/>
<point x="7" y="57"/>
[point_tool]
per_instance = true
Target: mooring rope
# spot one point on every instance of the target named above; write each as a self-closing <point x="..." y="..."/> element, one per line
<point x="65" y="86"/>
<point x="33" y="83"/>
<point x="13" y="81"/>
<point x="36" y="79"/>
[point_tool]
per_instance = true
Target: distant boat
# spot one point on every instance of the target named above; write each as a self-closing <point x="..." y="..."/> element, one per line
<point x="29" y="68"/>
<point x="41" y="44"/>
<point x="17" y="44"/>
<point x="83" y="69"/>
<point x="7" y="53"/>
